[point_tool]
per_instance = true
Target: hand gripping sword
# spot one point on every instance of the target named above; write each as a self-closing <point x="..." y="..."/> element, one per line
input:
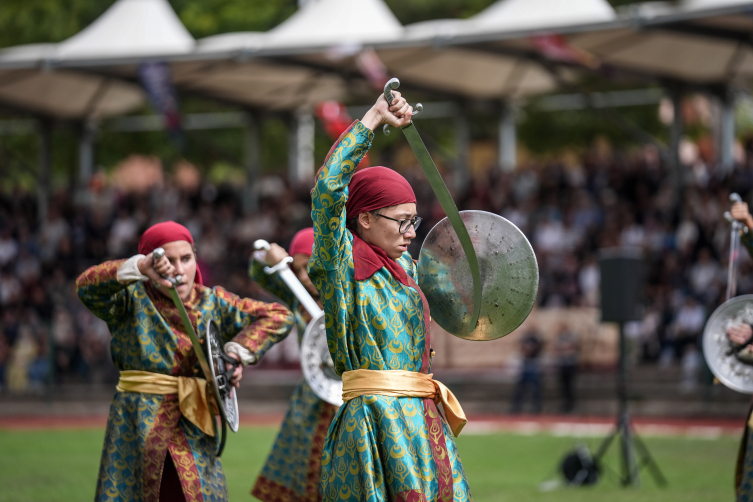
<point x="443" y="195"/>
<point x="291" y="281"/>
<point x="734" y="247"/>
<point x="209" y="374"/>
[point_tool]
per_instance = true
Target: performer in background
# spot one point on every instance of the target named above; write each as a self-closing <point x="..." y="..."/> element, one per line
<point x="741" y="335"/>
<point x="159" y="442"/>
<point x="293" y="467"/>
<point x="388" y="442"/>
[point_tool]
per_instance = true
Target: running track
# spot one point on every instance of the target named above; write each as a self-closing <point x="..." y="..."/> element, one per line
<point x="478" y="424"/>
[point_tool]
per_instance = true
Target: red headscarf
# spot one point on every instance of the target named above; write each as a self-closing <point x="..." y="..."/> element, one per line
<point x="374" y="188"/>
<point x="303" y="242"/>
<point x="371" y="189"/>
<point x="162" y="233"/>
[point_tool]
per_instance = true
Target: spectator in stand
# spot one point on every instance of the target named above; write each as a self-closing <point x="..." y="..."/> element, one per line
<point x="529" y="378"/>
<point x="568" y="213"/>
<point x="704" y="275"/>
<point x="8" y="246"/>
<point x="566" y="349"/>
<point x="686" y="327"/>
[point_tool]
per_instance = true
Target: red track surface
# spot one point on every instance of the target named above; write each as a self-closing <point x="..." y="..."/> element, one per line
<point x="523" y="424"/>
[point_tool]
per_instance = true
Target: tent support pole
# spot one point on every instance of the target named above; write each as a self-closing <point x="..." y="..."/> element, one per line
<point x="252" y="163"/>
<point x="727" y="132"/>
<point x="507" y="139"/>
<point x="301" y="168"/>
<point x="85" y="153"/>
<point x="45" y="161"/>
<point x="462" y="149"/>
<point x="675" y="137"/>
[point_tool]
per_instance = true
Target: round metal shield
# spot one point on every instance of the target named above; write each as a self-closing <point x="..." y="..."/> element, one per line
<point x="509" y="276"/>
<point x="317" y="365"/>
<point x="717" y="348"/>
<point x="228" y="397"/>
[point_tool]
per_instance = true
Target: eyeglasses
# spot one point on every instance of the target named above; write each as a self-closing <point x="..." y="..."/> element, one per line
<point x="404" y="224"/>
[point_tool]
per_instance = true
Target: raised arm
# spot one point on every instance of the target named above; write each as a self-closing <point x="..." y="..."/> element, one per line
<point x="330" y="195"/>
<point x="331" y="240"/>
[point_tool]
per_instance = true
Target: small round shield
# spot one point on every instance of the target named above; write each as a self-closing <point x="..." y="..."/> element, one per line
<point x="228" y="397"/>
<point x="317" y="365"/>
<point x="718" y="349"/>
<point x="509" y="276"/>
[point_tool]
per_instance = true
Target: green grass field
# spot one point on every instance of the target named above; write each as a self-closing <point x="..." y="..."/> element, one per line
<point x="52" y="466"/>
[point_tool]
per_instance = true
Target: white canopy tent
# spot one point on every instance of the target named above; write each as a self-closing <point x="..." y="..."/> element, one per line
<point x="271" y="70"/>
<point x="47" y="78"/>
<point x="128" y="30"/>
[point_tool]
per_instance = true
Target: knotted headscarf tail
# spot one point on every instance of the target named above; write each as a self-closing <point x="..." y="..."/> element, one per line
<point x="162" y="233"/>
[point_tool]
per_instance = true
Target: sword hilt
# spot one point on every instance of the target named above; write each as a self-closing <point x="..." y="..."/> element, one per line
<point x="394" y="83"/>
<point x="156" y="255"/>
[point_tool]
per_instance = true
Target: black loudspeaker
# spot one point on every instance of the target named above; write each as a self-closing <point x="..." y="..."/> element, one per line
<point x="579" y="468"/>
<point x="623" y="275"/>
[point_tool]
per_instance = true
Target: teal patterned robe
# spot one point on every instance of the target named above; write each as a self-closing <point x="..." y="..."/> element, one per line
<point x="379" y="448"/>
<point x="744" y="468"/>
<point x="292" y="470"/>
<point x="148" y="335"/>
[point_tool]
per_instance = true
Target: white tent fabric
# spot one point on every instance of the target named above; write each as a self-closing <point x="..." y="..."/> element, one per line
<point x="321" y="24"/>
<point x="521" y="15"/>
<point x="129" y="29"/>
<point x="32" y="76"/>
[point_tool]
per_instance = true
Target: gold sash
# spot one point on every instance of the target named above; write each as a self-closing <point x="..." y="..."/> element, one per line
<point x="398" y="383"/>
<point x="192" y="394"/>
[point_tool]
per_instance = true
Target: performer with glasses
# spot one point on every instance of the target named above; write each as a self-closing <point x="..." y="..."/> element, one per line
<point x="293" y="467"/>
<point x="159" y="443"/>
<point x="741" y="336"/>
<point x="388" y="441"/>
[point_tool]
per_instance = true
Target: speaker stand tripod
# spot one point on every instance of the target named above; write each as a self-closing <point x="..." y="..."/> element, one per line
<point x="630" y="443"/>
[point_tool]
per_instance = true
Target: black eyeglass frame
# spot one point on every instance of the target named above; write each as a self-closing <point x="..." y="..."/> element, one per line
<point x="415" y="222"/>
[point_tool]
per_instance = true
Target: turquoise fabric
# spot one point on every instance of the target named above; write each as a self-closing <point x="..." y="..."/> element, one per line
<point x="292" y="470"/>
<point x="378" y="448"/>
<point x="148" y="335"/>
<point x="744" y="474"/>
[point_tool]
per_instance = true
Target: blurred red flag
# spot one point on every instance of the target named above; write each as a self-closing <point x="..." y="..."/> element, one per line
<point x="372" y="68"/>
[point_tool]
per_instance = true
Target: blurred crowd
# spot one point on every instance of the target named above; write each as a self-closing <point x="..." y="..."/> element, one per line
<point x="568" y="211"/>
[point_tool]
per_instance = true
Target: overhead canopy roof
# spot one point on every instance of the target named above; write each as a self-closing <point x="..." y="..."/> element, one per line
<point x="314" y="54"/>
<point x="445" y="55"/>
<point x="423" y="55"/>
<point x="67" y="94"/>
<point x="697" y="41"/>
<point x="41" y="78"/>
